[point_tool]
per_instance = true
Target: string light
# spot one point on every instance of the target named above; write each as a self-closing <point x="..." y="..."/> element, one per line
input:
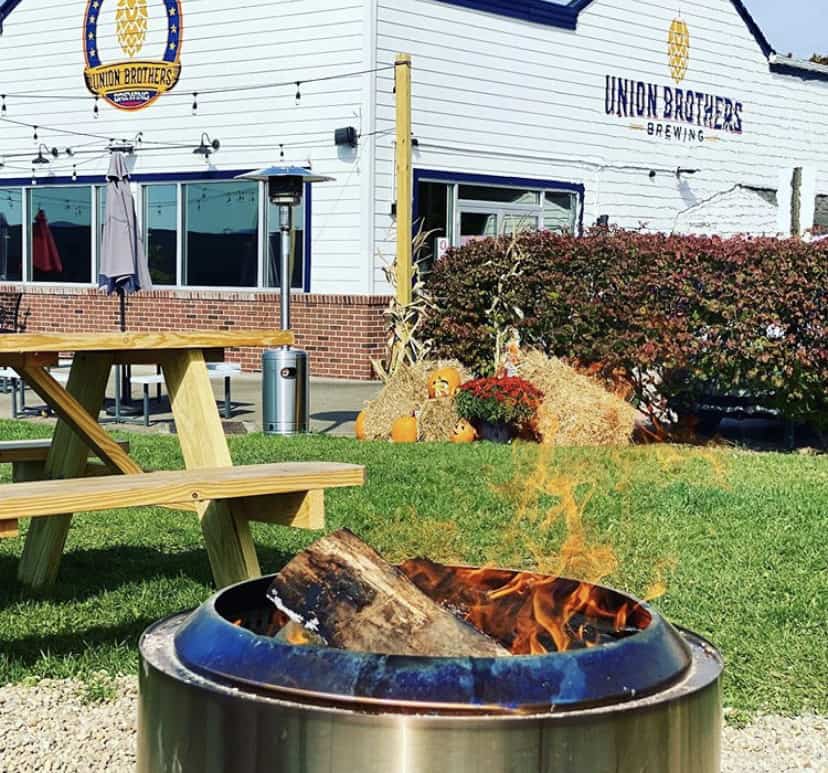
<point x="96" y="111"/>
<point x="195" y="103"/>
<point x="282" y="152"/>
<point x="3" y="110"/>
<point x="34" y="135"/>
<point x="298" y="92"/>
<point x="74" y="173"/>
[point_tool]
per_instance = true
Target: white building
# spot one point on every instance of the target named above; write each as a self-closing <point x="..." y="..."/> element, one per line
<point x="526" y="113"/>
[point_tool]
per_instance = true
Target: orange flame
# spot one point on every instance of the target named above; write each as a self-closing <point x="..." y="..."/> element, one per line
<point x="528" y="613"/>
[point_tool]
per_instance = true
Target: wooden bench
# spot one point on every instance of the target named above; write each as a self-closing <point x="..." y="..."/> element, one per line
<point x="266" y="493"/>
<point x="28" y="461"/>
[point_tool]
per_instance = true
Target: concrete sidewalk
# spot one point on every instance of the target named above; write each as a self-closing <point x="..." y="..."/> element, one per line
<point x="334" y="404"/>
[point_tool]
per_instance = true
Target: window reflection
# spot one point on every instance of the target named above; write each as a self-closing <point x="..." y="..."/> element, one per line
<point x="273" y="272"/>
<point x="11" y="235"/>
<point x="161" y="228"/>
<point x="222" y="234"/>
<point x="60" y="235"/>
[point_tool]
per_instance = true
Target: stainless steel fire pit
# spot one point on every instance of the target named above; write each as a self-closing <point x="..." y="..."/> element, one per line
<point x="217" y="695"/>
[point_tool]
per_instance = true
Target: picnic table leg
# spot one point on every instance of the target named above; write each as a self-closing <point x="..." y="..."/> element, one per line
<point x="67" y="458"/>
<point x="228" y="539"/>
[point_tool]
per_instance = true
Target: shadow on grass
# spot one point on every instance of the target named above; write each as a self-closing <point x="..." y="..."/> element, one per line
<point x="85" y="574"/>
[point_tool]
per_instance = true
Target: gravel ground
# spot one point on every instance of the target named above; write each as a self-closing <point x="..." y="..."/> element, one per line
<point x="51" y="727"/>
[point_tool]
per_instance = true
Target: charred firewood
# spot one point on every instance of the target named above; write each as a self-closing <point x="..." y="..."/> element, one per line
<point x="342" y="590"/>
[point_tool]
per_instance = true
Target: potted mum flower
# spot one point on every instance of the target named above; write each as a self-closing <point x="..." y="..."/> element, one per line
<point x="499" y="407"/>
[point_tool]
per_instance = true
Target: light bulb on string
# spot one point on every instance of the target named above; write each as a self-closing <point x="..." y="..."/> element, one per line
<point x="74" y="173"/>
<point x="34" y="135"/>
<point x="96" y="111"/>
<point x="298" y="92"/>
<point x="3" y="109"/>
<point x="195" y="103"/>
<point x="282" y="152"/>
<point x="34" y="176"/>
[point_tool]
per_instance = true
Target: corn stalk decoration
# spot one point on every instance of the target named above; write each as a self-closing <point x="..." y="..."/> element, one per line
<point x="502" y="313"/>
<point x="403" y="320"/>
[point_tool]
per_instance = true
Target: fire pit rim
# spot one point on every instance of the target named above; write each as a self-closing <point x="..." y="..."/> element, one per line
<point x="211" y="645"/>
<point x="158" y="651"/>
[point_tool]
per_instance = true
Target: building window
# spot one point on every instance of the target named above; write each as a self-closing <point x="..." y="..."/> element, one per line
<point x="161" y="232"/>
<point x="560" y="212"/>
<point x="221" y="234"/>
<point x="820" y="216"/>
<point x="455" y="213"/>
<point x="60" y="234"/>
<point x="273" y="257"/>
<point x="11" y="235"/>
<point x="435" y="218"/>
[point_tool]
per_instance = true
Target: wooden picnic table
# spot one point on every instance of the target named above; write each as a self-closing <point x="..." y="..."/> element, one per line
<point x="183" y="359"/>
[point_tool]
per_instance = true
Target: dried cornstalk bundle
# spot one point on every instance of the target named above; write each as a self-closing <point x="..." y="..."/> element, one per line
<point x="576" y="410"/>
<point x="405" y="393"/>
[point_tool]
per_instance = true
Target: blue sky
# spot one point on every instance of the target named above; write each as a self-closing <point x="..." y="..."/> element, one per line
<point x="792" y="26"/>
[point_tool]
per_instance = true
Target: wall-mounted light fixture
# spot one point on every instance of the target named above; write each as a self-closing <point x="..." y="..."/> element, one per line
<point x="207" y="146"/>
<point x="346" y="137"/>
<point x="41" y="159"/>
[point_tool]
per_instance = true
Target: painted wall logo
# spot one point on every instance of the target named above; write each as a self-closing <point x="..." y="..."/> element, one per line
<point x="149" y="33"/>
<point x="673" y="113"/>
<point x="678" y="49"/>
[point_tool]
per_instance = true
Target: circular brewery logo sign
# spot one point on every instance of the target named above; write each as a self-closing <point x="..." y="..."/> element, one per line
<point x="132" y="50"/>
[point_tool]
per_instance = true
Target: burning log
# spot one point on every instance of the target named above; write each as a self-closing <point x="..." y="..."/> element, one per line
<point x="342" y="590"/>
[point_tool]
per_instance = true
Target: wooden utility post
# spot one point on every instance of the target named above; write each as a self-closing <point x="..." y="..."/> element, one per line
<point x="405" y="179"/>
<point x="796" y="202"/>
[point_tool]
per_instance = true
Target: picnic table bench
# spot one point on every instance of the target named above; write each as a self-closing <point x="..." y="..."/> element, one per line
<point x="224" y="497"/>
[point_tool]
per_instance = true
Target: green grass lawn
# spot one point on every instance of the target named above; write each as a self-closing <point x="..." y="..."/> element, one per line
<point x="740" y="539"/>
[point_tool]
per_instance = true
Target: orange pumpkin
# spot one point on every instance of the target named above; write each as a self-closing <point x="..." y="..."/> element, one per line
<point x="359" y="429"/>
<point x="463" y="432"/>
<point x="404" y="430"/>
<point x="444" y="383"/>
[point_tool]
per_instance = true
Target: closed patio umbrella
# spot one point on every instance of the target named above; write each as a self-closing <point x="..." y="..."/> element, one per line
<point x="124" y="268"/>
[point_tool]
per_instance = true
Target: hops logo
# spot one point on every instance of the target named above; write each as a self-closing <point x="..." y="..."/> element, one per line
<point x="678" y="49"/>
<point x="137" y="26"/>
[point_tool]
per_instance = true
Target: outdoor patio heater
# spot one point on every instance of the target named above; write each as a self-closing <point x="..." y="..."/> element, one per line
<point x="219" y="691"/>
<point x="285" y="371"/>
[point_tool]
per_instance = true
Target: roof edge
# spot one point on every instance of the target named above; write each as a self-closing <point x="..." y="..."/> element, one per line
<point x="5" y="9"/>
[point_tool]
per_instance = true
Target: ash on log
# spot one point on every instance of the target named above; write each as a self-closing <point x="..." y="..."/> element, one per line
<point x="344" y="591"/>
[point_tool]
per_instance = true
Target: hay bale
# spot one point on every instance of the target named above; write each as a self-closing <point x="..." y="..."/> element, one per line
<point x="405" y="393"/>
<point x="437" y="420"/>
<point x="576" y="410"/>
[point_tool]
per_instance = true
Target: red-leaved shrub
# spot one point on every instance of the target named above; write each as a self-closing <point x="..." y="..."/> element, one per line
<point x="683" y="315"/>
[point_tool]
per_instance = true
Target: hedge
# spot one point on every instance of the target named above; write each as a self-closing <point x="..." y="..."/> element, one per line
<point x="677" y="315"/>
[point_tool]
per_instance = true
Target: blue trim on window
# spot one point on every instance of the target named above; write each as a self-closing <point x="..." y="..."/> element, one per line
<point x="466" y="178"/>
<point x="176" y="177"/>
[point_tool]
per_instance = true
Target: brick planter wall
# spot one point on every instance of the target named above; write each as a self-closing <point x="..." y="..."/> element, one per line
<point x="342" y="333"/>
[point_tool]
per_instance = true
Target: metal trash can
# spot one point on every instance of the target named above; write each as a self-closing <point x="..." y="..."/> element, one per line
<point x="285" y="392"/>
